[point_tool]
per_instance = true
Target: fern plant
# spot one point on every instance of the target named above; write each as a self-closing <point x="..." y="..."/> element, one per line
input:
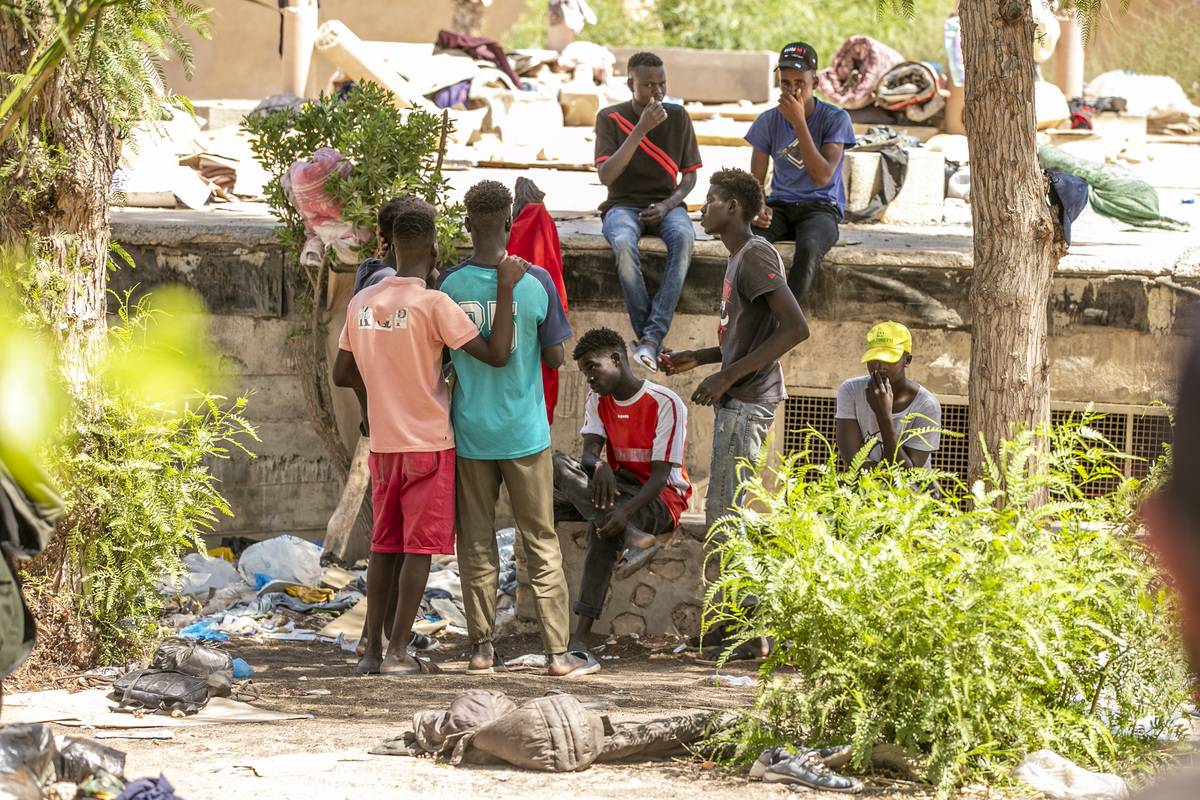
<point x="968" y="626"/>
<point x="136" y="470"/>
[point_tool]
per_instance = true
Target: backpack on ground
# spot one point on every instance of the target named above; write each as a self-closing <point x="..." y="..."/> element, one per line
<point x="160" y="690"/>
<point x="200" y="660"/>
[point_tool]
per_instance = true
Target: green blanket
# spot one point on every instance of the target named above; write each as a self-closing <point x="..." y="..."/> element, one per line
<point x="1113" y="191"/>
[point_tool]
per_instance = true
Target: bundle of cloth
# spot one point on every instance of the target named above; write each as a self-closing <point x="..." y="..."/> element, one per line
<point x="855" y="70"/>
<point x="917" y="88"/>
<point x="304" y="186"/>
<point x="1113" y="190"/>
<point x="554" y="733"/>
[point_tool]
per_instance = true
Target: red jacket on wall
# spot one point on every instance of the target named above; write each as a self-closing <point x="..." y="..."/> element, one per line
<point x="535" y="239"/>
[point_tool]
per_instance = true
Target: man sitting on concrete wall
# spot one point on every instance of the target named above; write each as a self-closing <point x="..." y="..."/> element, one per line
<point x="886" y="406"/>
<point x="804" y="138"/>
<point x="639" y="490"/>
<point x="647" y="156"/>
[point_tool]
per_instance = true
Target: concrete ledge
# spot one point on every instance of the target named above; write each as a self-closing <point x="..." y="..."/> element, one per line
<point x="663" y="598"/>
<point x="692" y="77"/>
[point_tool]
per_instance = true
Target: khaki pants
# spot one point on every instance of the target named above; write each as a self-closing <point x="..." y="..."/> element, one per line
<point x="530" y="482"/>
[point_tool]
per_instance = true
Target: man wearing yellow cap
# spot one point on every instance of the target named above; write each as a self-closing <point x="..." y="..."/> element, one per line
<point x="886" y="406"/>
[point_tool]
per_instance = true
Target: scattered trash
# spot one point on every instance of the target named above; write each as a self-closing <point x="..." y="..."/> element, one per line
<point x="78" y="759"/>
<point x="204" y="575"/>
<point x="717" y="679"/>
<point x="241" y="670"/>
<point x="148" y="789"/>
<point x="204" y="630"/>
<point x="283" y="558"/>
<point x="681" y="648"/>
<point x="102" y="785"/>
<point x="610" y="658"/>
<point x="527" y="661"/>
<point x="1060" y="778"/>
<point x="152" y="734"/>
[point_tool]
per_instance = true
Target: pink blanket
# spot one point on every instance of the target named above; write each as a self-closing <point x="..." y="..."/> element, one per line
<point x="851" y="77"/>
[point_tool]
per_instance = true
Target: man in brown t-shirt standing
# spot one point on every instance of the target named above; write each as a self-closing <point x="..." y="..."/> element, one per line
<point x="760" y="322"/>
<point x="647" y="156"/>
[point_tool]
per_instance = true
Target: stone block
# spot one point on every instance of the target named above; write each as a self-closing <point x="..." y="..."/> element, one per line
<point x="712" y="76"/>
<point x="643" y="595"/>
<point x="862" y="177"/>
<point x="662" y="599"/>
<point x="580" y="104"/>
<point x="521" y="119"/>
<point x="223" y="113"/>
<point x="629" y="624"/>
<point x="920" y="200"/>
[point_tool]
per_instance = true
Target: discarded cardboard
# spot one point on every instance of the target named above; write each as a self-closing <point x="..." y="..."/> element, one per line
<point x="349" y="53"/>
<point x="350" y="624"/>
<point x="92" y="709"/>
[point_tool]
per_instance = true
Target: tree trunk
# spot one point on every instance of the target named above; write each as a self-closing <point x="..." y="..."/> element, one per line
<point x="63" y="223"/>
<point x="1017" y="243"/>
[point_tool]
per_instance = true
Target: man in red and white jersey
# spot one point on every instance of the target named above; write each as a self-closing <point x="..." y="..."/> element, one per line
<point x="630" y="483"/>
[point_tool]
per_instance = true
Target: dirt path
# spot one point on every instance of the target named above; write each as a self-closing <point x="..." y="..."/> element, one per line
<point x="326" y="757"/>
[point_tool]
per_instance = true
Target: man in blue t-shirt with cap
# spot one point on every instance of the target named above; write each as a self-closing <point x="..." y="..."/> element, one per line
<point x="805" y="138"/>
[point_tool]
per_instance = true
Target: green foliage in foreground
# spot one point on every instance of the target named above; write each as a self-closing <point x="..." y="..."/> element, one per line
<point x="394" y="152"/>
<point x="970" y="628"/>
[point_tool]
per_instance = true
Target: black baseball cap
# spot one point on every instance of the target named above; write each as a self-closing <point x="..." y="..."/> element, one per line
<point x="798" y="55"/>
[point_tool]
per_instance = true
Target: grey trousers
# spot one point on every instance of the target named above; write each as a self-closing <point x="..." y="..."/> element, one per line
<point x="572" y="490"/>
<point x="741" y="430"/>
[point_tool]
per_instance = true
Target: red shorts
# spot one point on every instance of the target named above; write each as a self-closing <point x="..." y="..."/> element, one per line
<point x="413" y="499"/>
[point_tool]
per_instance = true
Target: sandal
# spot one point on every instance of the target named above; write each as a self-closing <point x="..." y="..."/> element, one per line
<point x="634" y="558"/>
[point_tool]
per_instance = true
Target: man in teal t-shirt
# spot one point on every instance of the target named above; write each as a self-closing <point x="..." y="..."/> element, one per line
<point x="502" y="435"/>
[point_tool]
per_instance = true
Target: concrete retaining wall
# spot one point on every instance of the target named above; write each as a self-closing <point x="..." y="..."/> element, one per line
<point x="1113" y="340"/>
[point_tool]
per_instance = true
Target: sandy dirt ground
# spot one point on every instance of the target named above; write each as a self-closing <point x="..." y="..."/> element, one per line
<point x="326" y="756"/>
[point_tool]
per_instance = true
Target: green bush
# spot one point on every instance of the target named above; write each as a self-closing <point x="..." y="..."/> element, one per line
<point x="394" y="153"/>
<point x="970" y="627"/>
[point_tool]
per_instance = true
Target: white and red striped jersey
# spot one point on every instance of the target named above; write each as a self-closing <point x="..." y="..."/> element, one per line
<point x="650" y="426"/>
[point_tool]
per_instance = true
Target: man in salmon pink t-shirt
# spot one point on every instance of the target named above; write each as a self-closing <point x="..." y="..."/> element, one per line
<point x="638" y="488"/>
<point x="390" y="353"/>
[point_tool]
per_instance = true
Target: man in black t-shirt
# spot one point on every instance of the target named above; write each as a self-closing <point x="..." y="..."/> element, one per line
<point x="647" y="156"/>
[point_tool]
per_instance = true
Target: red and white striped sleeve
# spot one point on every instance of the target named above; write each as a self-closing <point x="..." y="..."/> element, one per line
<point x="671" y="430"/>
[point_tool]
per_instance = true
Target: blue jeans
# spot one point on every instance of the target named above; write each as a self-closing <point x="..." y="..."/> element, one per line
<point x="651" y="319"/>
<point x="741" y="430"/>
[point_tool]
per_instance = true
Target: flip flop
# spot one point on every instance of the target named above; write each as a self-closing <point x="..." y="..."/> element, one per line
<point x="424" y="667"/>
<point x="634" y="558"/>
<point x="590" y="667"/>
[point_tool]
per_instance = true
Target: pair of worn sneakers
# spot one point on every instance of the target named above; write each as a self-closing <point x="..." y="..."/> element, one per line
<point x="812" y="769"/>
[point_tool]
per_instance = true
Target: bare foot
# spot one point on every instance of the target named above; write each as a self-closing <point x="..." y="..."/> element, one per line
<point x="399" y="663"/>
<point x="483" y="656"/>
<point x="369" y="665"/>
<point x="564" y="664"/>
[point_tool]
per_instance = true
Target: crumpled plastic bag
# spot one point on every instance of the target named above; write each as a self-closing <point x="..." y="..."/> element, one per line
<point x="1060" y="778"/>
<point x="284" y="558"/>
<point x="203" y="573"/>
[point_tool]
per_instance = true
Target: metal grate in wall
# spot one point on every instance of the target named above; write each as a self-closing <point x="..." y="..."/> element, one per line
<point x="1135" y="430"/>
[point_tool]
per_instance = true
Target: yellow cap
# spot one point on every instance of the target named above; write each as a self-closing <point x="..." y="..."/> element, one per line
<point x="887" y="341"/>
